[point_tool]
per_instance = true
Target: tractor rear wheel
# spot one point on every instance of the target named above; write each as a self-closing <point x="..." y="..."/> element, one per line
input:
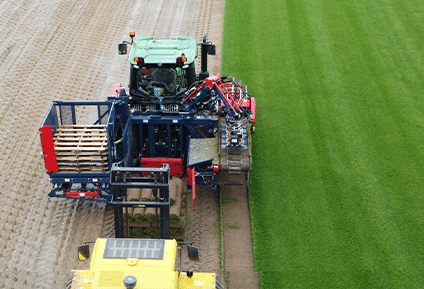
<point x="219" y="283"/>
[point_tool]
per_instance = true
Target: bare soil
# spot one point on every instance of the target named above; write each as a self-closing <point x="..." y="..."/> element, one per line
<point x="67" y="50"/>
<point x="237" y="234"/>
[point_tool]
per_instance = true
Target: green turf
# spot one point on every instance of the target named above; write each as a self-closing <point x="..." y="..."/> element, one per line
<point x="337" y="199"/>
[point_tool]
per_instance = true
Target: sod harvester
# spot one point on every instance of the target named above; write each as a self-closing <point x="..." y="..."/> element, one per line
<point x="171" y="123"/>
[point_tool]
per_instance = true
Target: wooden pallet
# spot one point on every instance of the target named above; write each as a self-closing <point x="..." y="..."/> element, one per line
<point x="81" y="149"/>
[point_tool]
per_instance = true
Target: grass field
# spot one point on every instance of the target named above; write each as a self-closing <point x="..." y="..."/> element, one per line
<point x="337" y="199"/>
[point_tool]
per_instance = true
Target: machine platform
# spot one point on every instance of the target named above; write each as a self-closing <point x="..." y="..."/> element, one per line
<point x="202" y="150"/>
<point x="81" y="148"/>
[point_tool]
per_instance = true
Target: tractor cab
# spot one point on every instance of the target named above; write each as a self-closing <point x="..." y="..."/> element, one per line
<point x="162" y="71"/>
<point x="161" y="81"/>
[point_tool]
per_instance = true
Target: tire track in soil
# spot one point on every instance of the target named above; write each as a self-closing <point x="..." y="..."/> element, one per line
<point x="13" y="275"/>
<point x="202" y="230"/>
<point x="63" y="49"/>
<point x="57" y="234"/>
<point x="20" y="30"/>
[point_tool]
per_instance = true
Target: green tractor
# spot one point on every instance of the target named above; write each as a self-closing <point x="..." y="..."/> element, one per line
<point x="163" y="70"/>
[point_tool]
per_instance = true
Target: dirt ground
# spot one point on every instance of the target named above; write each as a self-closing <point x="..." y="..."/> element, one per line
<point x="67" y="50"/>
<point x="239" y="265"/>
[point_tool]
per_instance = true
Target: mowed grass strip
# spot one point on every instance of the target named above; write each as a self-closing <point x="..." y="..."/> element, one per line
<point x="337" y="199"/>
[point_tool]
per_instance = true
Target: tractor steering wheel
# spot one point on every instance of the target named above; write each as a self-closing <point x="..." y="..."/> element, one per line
<point x="160" y="84"/>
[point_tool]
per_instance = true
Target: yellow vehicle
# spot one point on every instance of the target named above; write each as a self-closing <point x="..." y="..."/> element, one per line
<point x="138" y="263"/>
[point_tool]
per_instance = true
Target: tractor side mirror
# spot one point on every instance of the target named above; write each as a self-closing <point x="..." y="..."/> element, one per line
<point x="193" y="253"/>
<point x="212" y="50"/>
<point x="83" y="252"/>
<point x="122" y="48"/>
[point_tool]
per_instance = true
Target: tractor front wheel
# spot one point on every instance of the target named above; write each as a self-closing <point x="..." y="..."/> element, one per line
<point x="220" y="284"/>
<point x="69" y="283"/>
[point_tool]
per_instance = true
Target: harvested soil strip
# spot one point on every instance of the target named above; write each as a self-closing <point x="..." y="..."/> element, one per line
<point x="238" y="235"/>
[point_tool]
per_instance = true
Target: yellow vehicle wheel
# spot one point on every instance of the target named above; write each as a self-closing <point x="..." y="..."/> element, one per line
<point x="219" y="283"/>
<point x="69" y="283"/>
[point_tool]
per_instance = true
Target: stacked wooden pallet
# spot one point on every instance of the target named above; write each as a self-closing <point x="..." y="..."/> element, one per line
<point x="81" y="149"/>
<point x="143" y="222"/>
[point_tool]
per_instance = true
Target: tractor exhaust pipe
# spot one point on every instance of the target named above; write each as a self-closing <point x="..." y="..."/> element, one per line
<point x="207" y="48"/>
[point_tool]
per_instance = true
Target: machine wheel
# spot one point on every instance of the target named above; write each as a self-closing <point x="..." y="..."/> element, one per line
<point x="69" y="283"/>
<point x="219" y="283"/>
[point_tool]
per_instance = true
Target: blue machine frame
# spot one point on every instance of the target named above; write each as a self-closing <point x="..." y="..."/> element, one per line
<point x="148" y="125"/>
<point x="114" y="114"/>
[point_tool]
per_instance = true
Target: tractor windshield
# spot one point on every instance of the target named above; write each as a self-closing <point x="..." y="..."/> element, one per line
<point x="166" y="82"/>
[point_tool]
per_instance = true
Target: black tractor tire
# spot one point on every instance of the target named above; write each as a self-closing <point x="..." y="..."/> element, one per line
<point x="69" y="283"/>
<point x="220" y="284"/>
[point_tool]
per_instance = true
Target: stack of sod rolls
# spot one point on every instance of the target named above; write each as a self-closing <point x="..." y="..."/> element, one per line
<point x="141" y="222"/>
<point x="175" y="191"/>
<point x="149" y="213"/>
<point x="133" y="195"/>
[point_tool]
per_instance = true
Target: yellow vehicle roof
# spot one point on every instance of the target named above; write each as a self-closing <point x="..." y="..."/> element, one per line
<point x="151" y="262"/>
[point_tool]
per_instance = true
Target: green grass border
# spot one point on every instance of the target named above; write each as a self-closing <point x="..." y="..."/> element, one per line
<point x="221" y="246"/>
<point x="339" y="90"/>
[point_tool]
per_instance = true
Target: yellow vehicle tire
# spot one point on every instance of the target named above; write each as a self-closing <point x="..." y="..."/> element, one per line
<point x="69" y="283"/>
<point x="220" y="284"/>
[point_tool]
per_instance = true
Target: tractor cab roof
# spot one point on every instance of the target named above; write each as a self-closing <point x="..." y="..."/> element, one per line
<point x="163" y="51"/>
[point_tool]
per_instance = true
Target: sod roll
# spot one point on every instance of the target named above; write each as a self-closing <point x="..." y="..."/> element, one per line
<point x="150" y="214"/>
<point x="151" y="232"/>
<point x="146" y="195"/>
<point x="174" y="190"/>
<point x="174" y="211"/>
<point x="133" y="194"/>
<point x="172" y="196"/>
<point x="137" y="231"/>
<point x="176" y="232"/>
<point x="138" y="214"/>
<point x="128" y="214"/>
